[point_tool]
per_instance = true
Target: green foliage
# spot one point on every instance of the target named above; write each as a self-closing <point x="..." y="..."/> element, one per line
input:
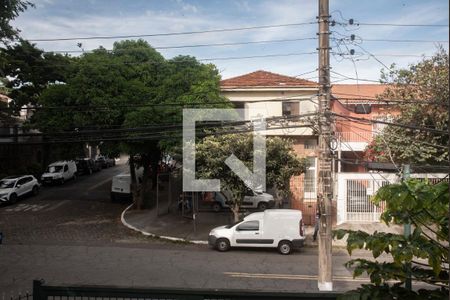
<point x="29" y="71"/>
<point x="281" y="163"/>
<point x="427" y="83"/>
<point x="10" y="9"/>
<point x="422" y="256"/>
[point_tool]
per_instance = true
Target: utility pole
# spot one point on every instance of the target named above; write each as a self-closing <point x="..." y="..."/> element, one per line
<point x="324" y="184"/>
<point x="406" y="173"/>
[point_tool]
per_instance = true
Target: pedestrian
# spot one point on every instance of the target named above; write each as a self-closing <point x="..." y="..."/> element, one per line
<point x="316" y="225"/>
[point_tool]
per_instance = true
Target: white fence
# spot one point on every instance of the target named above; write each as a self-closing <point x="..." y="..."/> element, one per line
<point x="355" y="189"/>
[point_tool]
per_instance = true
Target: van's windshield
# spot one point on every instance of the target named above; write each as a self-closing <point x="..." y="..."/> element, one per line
<point x="54" y="169"/>
<point x="231" y="225"/>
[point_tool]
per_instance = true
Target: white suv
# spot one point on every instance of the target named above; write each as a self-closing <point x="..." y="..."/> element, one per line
<point x="14" y="187"/>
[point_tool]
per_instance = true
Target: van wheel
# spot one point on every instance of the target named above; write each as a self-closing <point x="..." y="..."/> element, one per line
<point x="285" y="247"/>
<point x="13" y="198"/>
<point x="216" y="206"/>
<point x="35" y="190"/>
<point x="262" y="206"/>
<point x="223" y="245"/>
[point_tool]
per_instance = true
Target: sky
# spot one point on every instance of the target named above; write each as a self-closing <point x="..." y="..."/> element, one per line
<point x="291" y="50"/>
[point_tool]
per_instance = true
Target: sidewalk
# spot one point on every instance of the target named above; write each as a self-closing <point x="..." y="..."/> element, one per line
<point x="173" y="226"/>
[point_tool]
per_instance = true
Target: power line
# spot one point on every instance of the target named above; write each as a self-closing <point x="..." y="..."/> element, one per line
<point x="182" y="61"/>
<point x="392" y="124"/>
<point x="191" y="46"/>
<point x="377" y="132"/>
<point x="404" y="41"/>
<point x="77" y="133"/>
<point x="402" y="25"/>
<point x="171" y="33"/>
<point x="165" y="104"/>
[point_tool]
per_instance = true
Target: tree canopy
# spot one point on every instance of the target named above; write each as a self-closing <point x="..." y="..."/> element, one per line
<point x="281" y="163"/>
<point x="10" y="9"/>
<point x="425" y="88"/>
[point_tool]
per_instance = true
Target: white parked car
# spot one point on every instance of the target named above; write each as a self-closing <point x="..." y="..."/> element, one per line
<point x="59" y="172"/>
<point x="13" y="187"/>
<point x="251" y="199"/>
<point x="273" y="228"/>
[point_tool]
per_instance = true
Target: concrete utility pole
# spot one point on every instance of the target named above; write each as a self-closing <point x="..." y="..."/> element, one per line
<point x="324" y="184"/>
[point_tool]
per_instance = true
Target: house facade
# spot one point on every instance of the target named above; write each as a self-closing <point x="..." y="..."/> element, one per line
<point x="282" y="96"/>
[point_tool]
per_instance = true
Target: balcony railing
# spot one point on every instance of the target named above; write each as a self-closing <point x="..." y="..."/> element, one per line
<point x="359" y="137"/>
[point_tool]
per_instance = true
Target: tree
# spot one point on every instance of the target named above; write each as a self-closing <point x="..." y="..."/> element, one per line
<point x="28" y="71"/>
<point x="425" y="87"/>
<point x="182" y="82"/>
<point x="10" y="9"/>
<point x="281" y="164"/>
<point x="130" y="87"/>
<point x="423" y="256"/>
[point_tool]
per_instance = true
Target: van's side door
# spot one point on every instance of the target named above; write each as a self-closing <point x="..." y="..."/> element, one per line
<point x="248" y="234"/>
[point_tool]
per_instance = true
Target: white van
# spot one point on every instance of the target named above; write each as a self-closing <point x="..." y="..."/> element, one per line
<point x="59" y="172"/>
<point x="121" y="186"/>
<point x="273" y="228"/>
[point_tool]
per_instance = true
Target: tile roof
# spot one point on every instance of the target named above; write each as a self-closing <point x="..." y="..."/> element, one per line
<point x="355" y="92"/>
<point x="265" y="79"/>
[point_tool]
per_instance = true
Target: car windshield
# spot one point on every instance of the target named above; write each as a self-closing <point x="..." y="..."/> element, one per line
<point x="7" y="183"/>
<point x="233" y="224"/>
<point x="54" y="169"/>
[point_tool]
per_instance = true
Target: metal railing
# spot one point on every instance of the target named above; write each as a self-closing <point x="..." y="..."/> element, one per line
<point x="46" y="292"/>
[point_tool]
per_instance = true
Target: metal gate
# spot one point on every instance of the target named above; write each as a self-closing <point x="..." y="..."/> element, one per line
<point x="354" y="191"/>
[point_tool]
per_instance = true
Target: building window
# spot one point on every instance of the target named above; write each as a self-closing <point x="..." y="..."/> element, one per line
<point x="291" y="108"/>
<point x="310" y="144"/>
<point x="310" y="179"/>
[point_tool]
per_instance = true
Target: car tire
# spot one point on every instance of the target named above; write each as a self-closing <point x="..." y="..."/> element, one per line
<point x="216" y="207"/>
<point x="285" y="247"/>
<point x="222" y="245"/>
<point x="13" y="198"/>
<point x="262" y="206"/>
<point x="35" y="190"/>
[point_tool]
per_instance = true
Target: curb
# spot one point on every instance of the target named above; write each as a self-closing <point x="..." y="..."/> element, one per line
<point x="169" y="238"/>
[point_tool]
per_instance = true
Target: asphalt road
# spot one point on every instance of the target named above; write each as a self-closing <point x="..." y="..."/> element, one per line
<point x="72" y="234"/>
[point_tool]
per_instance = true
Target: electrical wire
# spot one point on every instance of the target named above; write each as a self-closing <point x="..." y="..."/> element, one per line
<point x="170" y="33"/>
<point x="296" y="97"/>
<point x="437" y="131"/>
<point x="187" y="46"/>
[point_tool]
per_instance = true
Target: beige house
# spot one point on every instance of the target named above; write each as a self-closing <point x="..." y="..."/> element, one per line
<point x="282" y="96"/>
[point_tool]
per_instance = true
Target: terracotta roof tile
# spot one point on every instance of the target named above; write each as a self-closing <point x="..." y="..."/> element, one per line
<point x="265" y="79"/>
<point x="357" y="91"/>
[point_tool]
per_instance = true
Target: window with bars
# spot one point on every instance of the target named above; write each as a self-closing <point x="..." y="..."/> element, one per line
<point x="310" y="179"/>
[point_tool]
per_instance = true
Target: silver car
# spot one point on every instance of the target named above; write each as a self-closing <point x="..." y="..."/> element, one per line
<point x="13" y="187"/>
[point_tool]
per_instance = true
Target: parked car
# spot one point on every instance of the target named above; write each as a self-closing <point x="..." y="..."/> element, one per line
<point x="86" y="166"/>
<point x="59" y="172"/>
<point x="105" y="161"/>
<point x="252" y="199"/>
<point x="273" y="228"/>
<point x="13" y="187"/>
